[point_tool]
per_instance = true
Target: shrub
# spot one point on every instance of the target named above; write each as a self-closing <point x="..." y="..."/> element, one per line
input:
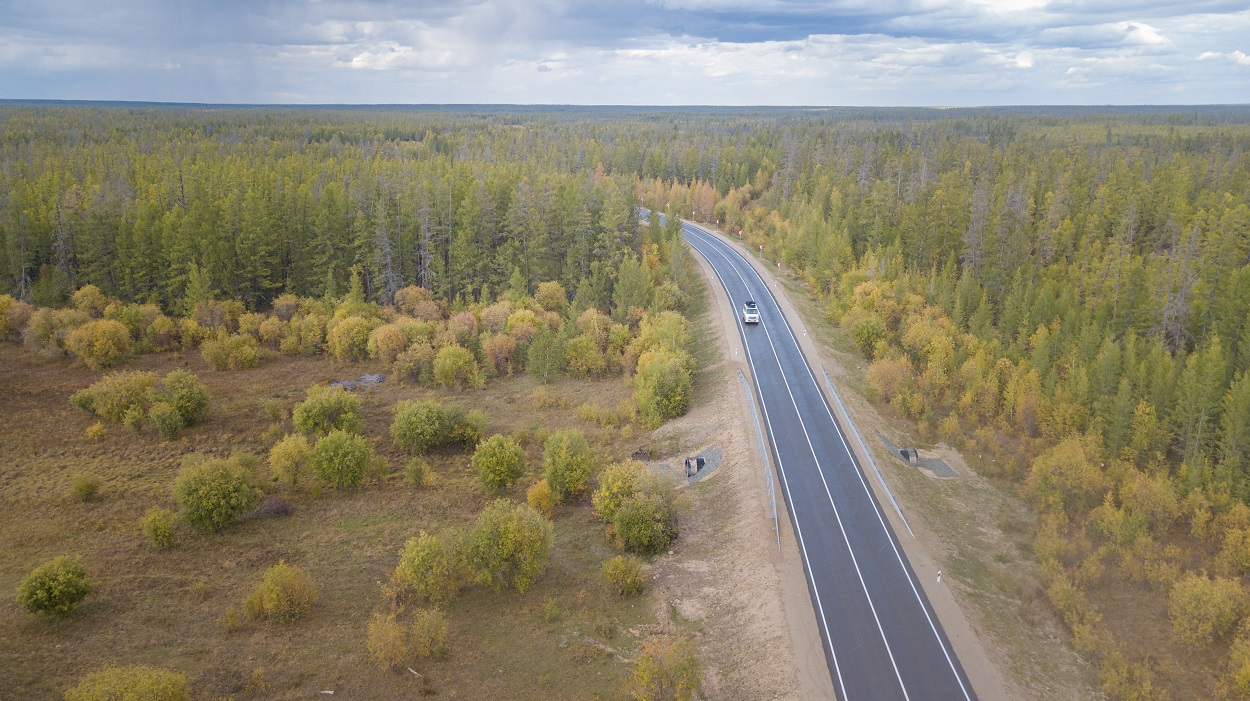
<point x="617" y="483"/>
<point x="866" y="332"/>
<point x="131" y="683"/>
<point x="214" y="314"/>
<point x="420" y="426"/>
<point x="888" y="377"/>
<point x="667" y="671"/>
<point x="158" y="524"/>
<point x="1067" y="477"/>
<point x="304" y="335"/>
<point x="187" y="396"/>
<point x="429" y="633"/>
<point x="272" y="332"/>
<point x="290" y="459"/>
<point x="434" y="568"/>
<point x="499" y="462"/>
<point x="6" y="305"/>
<point x="137" y="318"/>
<point x="16" y="317"/>
<point x="582" y="357"/>
<point x="284" y="306"/>
<point x="387" y="641"/>
<point x="348" y="341"/>
<point x="327" y="409"/>
<point x="95" y="431"/>
<point x="85" y="488"/>
<point x="415" y="365"/>
<point x="1203" y="609"/>
<point x="423" y="426"/>
<point x="662" y="387"/>
<point x="112" y="396"/>
<point x="566" y="464"/>
<point x="55" y="587"/>
<point x="230" y="352"/>
<point x="133" y="419"/>
<point x="387" y="342"/>
<point x="100" y="344"/>
<point x="539" y="497"/>
<point x="551" y="296"/>
<point x="167" y="420"/>
<point x="214" y="493"/>
<point x="47" y="329"/>
<point x="645" y="523"/>
<point x="495" y="317"/>
<point x="509" y="545"/>
<point x="1236" y="683"/>
<point x="624" y="575"/>
<point x="455" y="366"/>
<point x="418" y="472"/>
<point x="498" y="352"/>
<point x="90" y="301"/>
<point x="342" y="458"/>
<point x="410" y="300"/>
<point x="162" y="334"/>
<point x="285" y="594"/>
<point x="640" y="505"/>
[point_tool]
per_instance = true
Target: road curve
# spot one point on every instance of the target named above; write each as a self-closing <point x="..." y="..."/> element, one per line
<point x="882" y="639"/>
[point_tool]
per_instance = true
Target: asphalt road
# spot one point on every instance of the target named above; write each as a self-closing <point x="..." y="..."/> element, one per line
<point x="882" y="639"/>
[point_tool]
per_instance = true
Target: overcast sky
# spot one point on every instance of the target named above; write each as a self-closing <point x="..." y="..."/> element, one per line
<point x="662" y="52"/>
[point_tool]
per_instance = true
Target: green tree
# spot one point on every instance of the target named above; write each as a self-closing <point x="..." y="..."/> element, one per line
<point x="213" y="493"/>
<point x="632" y="289"/>
<point x="285" y="595"/>
<point x="1203" y="609"/>
<point x="510" y="545"/>
<point x="290" y="459"/>
<point x="545" y="356"/>
<point x="56" y="587"/>
<point x="499" y="462"/>
<point x="327" y="409"/>
<point x="434" y="568"/>
<point x="1200" y="389"/>
<point x="1068" y="478"/>
<point x="662" y="387"/>
<point x="342" y="459"/>
<point x="567" y="464"/>
<point x="455" y="366"/>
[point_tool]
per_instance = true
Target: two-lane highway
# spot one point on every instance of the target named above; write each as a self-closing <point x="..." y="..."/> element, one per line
<point x="882" y="639"/>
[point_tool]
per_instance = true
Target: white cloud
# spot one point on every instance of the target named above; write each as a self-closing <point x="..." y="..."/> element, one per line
<point x="1237" y="57"/>
<point x="572" y="51"/>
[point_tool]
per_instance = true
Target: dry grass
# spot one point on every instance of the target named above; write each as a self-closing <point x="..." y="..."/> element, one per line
<point x="167" y="607"/>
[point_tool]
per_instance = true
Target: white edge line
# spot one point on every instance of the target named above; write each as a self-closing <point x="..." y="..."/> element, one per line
<point x="876" y="507"/>
<point x="785" y="483"/>
<point x="836" y="515"/>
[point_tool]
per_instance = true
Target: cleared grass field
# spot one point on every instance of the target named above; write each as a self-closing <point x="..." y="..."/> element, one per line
<point x="567" y="637"/>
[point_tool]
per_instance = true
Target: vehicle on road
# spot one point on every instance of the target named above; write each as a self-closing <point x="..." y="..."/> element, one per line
<point x="750" y="313"/>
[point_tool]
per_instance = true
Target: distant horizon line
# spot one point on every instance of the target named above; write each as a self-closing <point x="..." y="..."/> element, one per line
<point x="570" y="105"/>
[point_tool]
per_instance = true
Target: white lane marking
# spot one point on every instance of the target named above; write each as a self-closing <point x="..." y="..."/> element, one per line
<point x="824" y="621"/>
<point x="836" y="515"/>
<point x="876" y="507"/>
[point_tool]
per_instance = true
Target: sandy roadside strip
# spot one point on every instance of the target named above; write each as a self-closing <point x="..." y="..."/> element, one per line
<point x="987" y="680"/>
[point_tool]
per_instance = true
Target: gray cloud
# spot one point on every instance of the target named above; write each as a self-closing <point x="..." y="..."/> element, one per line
<point x="632" y="51"/>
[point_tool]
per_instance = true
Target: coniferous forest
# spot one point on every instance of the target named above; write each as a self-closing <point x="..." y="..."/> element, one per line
<point x="1065" y="289"/>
